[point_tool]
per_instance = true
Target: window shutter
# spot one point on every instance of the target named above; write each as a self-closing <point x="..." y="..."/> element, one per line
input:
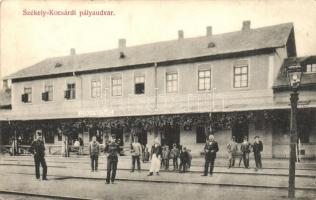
<point x="23" y="98"/>
<point x="44" y="96"/>
<point x="67" y="94"/>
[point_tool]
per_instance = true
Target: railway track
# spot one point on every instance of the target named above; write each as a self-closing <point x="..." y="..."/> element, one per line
<point x="170" y="171"/>
<point x="152" y="181"/>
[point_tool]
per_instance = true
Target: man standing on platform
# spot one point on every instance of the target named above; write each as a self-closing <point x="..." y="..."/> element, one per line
<point x="113" y="150"/>
<point x="210" y="149"/>
<point x="38" y="150"/>
<point x="245" y="149"/>
<point x="136" y="152"/>
<point x="94" y="149"/>
<point x="232" y="151"/>
<point x="257" y="148"/>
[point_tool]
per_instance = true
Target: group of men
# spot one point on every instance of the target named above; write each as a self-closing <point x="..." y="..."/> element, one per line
<point x="112" y="149"/>
<point x="245" y="149"/>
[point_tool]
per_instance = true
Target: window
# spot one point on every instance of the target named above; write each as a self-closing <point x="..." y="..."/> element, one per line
<point x="49" y="91"/>
<point x="49" y="136"/>
<point x="172" y="82"/>
<point x="139" y="84"/>
<point x="71" y="88"/>
<point x="204" y="80"/>
<point x="305" y="125"/>
<point x="200" y="134"/>
<point x="241" y="76"/>
<point x="116" y="86"/>
<point x="95" y="88"/>
<point x="311" y="68"/>
<point x="28" y="95"/>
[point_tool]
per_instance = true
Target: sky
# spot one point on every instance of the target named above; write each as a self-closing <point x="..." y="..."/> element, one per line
<point x="28" y="39"/>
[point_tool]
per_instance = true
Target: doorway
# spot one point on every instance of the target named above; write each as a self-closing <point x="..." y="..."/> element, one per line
<point x="142" y="138"/>
<point x="240" y="130"/>
<point x="118" y="132"/>
<point x="170" y="135"/>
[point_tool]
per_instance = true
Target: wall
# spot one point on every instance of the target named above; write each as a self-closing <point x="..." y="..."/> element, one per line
<point x="265" y="135"/>
<point x="187" y="99"/>
<point x="281" y="141"/>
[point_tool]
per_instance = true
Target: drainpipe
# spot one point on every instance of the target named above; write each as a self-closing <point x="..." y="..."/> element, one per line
<point x="156" y="87"/>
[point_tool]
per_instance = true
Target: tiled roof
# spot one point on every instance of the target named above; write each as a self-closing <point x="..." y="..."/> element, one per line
<point x="233" y="42"/>
<point x="307" y="78"/>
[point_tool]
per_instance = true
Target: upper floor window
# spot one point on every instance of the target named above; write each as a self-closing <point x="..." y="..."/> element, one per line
<point x="116" y="86"/>
<point x="311" y="68"/>
<point x="95" y="88"/>
<point x="27" y="96"/>
<point x="139" y="84"/>
<point x="70" y="93"/>
<point x="172" y="82"/>
<point x="241" y="75"/>
<point x="204" y="80"/>
<point x="47" y="95"/>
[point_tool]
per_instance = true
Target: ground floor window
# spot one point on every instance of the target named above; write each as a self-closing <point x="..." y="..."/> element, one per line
<point x="49" y="136"/>
<point x="200" y="134"/>
<point x="306" y="125"/>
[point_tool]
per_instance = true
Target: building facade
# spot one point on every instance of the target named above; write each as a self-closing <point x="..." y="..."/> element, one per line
<point x="180" y="91"/>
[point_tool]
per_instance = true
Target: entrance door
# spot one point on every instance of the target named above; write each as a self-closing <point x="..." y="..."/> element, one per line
<point x="171" y="135"/>
<point x="240" y="130"/>
<point x="143" y="137"/>
<point x="118" y="132"/>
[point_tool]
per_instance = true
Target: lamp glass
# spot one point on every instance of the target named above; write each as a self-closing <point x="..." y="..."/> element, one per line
<point x="294" y="75"/>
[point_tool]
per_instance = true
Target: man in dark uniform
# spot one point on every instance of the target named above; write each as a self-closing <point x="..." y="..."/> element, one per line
<point x="113" y="150"/>
<point x="210" y="149"/>
<point x="38" y="150"/>
<point x="257" y="148"/>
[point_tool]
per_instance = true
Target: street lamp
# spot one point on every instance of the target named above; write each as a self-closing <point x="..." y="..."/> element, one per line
<point x="294" y="73"/>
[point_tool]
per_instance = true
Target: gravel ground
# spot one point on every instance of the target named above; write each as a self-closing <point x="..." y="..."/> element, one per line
<point x="97" y="189"/>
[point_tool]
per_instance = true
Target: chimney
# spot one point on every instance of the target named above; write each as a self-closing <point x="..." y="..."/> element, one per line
<point x="122" y="43"/>
<point x="208" y="31"/>
<point x="246" y="25"/>
<point x="72" y="51"/>
<point x="122" y="46"/>
<point x="180" y="34"/>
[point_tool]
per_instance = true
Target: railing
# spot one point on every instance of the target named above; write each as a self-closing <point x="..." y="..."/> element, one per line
<point x="6" y="149"/>
<point x="17" y="150"/>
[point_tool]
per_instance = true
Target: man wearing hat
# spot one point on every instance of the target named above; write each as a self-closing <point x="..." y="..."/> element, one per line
<point x="210" y="149"/>
<point x="257" y="148"/>
<point x="136" y="152"/>
<point x="113" y="150"/>
<point x="232" y="151"/>
<point x="38" y="150"/>
<point x="245" y="149"/>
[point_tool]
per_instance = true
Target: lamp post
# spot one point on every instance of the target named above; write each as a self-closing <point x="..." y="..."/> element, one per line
<point x="294" y="74"/>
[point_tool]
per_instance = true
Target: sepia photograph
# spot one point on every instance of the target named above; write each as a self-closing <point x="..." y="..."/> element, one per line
<point x="159" y="100"/>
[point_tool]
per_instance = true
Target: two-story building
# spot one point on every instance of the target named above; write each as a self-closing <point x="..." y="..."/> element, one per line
<point x="230" y="84"/>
